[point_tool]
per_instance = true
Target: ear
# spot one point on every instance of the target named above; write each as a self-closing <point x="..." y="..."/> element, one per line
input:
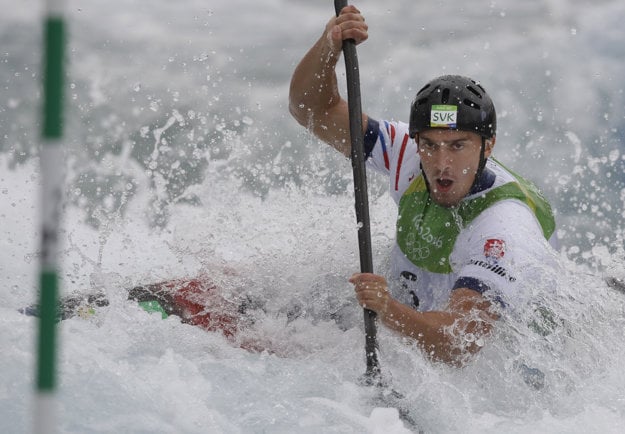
<point x="489" y="145"/>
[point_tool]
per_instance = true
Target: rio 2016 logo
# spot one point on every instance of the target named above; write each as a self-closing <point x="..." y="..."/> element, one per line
<point x="425" y="233"/>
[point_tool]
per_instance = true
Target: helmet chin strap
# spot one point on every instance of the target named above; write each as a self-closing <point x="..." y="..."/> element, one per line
<point x="425" y="178"/>
<point x="481" y="165"/>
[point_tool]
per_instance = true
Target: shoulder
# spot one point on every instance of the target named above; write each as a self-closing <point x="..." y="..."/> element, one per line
<point x="384" y="133"/>
<point x="392" y="152"/>
<point x="516" y="200"/>
<point x="509" y="225"/>
<point x="502" y="212"/>
<point x="501" y="174"/>
<point x="507" y="232"/>
<point x="503" y="246"/>
<point x="510" y="217"/>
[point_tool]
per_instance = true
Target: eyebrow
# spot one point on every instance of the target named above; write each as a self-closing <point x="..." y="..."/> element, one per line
<point x="428" y="141"/>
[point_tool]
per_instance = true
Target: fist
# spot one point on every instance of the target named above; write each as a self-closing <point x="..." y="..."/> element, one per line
<point x="371" y="291"/>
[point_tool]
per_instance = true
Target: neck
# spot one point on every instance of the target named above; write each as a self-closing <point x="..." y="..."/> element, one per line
<point x="484" y="180"/>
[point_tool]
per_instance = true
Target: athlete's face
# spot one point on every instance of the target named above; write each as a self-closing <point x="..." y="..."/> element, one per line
<point x="450" y="161"/>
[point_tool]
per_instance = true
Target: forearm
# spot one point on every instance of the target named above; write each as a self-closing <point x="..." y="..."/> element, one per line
<point x="314" y="98"/>
<point x="443" y="335"/>
<point x="314" y="86"/>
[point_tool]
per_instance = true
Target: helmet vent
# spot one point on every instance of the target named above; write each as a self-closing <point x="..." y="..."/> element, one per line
<point x="474" y="91"/>
<point x="471" y="104"/>
<point x="423" y="88"/>
<point x="445" y="96"/>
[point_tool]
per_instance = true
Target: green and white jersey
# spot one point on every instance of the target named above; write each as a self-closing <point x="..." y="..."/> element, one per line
<point x="496" y="237"/>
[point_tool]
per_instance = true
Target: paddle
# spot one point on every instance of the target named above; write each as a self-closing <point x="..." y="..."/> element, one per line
<point x="372" y="373"/>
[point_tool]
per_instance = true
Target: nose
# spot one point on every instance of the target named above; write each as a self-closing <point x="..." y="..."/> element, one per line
<point x="442" y="158"/>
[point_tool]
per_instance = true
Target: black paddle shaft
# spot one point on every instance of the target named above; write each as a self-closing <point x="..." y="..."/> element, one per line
<point x="360" y="188"/>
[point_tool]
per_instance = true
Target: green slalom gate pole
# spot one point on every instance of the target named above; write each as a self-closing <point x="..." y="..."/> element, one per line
<point x="52" y="179"/>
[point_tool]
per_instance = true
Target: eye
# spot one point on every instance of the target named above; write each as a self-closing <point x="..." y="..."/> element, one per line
<point x="427" y="146"/>
<point x="458" y="146"/>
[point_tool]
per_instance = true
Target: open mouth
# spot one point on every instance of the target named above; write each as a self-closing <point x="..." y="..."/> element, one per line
<point x="444" y="184"/>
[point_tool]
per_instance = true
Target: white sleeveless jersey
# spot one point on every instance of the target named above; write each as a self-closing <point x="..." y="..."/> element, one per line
<point x="501" y="246"/>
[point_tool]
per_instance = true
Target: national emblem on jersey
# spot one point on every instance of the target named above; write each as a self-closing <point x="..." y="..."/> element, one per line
<point x="494" y="249"/>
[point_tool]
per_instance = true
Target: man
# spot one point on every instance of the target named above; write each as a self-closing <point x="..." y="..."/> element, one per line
<point x="467" y="227"/>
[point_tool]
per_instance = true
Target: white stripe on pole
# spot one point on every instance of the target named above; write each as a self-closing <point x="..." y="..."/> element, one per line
<point x="55" y="8"/>
<point x="52" y="171"/>
<point x="46" y="411"/>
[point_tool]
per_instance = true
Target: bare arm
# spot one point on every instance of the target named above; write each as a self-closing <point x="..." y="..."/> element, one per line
<point x="314" y="98"/>
<point x="445" y="335"/>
